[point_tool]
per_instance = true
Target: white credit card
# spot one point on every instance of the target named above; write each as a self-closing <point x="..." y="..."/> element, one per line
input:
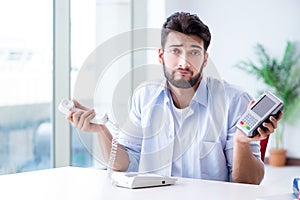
<point x="140" y="180"/>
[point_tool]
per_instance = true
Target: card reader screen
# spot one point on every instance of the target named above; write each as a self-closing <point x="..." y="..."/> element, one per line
<point x="263" y="106"/>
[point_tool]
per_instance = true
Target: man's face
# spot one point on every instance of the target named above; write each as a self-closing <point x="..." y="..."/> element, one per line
<point x="183" y="59"/>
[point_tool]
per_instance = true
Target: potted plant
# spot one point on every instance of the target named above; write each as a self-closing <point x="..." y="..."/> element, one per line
<point x="282" y="77"/>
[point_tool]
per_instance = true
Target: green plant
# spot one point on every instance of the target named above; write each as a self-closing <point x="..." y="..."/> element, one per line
<point x="282" y="77"/>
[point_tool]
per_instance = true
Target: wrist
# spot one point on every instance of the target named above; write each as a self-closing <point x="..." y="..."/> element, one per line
<point x="101" y="127"/>
<point x="240" y="137"/>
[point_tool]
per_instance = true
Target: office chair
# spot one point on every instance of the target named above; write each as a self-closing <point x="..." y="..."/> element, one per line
<point x="263" y="147"/>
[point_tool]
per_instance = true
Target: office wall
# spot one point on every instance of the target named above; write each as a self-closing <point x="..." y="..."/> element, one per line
<point x="236" y="27"/>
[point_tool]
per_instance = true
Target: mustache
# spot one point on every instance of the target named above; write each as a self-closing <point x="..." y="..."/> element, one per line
<point x="185" y="69"/>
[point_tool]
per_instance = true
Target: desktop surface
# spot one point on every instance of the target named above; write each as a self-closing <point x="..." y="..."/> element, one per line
<point x="87" y="183"/>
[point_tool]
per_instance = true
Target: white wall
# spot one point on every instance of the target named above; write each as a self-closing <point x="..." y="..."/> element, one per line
<point x="236" y="27"/>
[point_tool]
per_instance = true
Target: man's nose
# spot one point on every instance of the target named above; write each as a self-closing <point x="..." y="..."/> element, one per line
<point x="183" y="62"/>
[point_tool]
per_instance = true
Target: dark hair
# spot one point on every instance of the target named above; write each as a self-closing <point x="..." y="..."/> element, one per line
<point x="186" y="23"/>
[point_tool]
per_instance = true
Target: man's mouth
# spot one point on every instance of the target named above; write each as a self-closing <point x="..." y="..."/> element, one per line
<point x="183" y="72"/>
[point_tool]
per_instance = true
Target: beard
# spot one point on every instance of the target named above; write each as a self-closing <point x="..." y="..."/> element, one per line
<point x="182" y="83"/>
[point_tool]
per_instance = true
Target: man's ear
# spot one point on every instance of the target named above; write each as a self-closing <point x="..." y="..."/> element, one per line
<point x="160" y="55"/>
<point x="205" y="59"/>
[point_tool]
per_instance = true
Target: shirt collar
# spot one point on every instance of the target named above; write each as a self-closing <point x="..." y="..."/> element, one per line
<point x="202" y="92"/>
<point x="200" y="96"/>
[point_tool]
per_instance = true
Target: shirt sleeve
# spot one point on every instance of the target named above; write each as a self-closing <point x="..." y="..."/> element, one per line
<point x="130" y="135"/>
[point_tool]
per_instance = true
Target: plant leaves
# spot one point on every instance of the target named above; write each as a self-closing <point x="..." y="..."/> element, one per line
<point x="281" y="76"/>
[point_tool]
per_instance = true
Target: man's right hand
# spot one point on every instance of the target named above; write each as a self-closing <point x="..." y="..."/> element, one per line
<point x="81" y="119"/>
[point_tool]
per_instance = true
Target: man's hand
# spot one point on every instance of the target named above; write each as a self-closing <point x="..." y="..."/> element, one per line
<point x="81" y="119"/>
<point x="262" y="134"/>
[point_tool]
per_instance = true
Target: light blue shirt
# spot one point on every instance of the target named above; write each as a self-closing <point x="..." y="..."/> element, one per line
<point x="197" y="143"/>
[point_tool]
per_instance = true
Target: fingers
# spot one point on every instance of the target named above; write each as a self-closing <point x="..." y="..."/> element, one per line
<point x="280" y="116"/>
<point x="251" y="103"/>
<point x="270" y="127"/>
<point x="88" y="118"/>
<point x="81" y="119"/>
<point x="78" y="105"/>
<point x="262" y="134"/>
<point x="76" y="118"/>
<point x="69" y="116"/>
<point x="273" y="121"/>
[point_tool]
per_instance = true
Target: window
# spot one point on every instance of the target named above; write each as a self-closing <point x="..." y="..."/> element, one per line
<point x="35" y="75"/>
<point x="26" y="85"/>
<point x="94" y="23"/>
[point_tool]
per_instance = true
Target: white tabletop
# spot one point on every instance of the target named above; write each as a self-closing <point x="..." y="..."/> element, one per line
<point x="88" y="184"/>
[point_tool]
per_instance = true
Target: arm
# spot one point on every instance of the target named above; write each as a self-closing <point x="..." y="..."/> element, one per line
<point x="122" y="159"/>
<point x="246" y="167"/>
<point x="81" y="121"/>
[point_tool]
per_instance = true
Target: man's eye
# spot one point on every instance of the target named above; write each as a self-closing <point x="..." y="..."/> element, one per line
<point x="175" y="51"/>
<point x="195" y="53"/>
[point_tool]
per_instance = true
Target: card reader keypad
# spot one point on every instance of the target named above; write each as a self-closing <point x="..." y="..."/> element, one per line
<point x="248" y="121"/>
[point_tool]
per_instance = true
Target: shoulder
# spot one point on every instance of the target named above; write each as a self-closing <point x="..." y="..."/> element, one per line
<point x="149" y="88"/>
<point x="149" y="91"/>
<point x="233" y="93"/>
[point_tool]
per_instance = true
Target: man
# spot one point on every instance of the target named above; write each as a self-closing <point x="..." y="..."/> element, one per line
<point x="185" y="126"/>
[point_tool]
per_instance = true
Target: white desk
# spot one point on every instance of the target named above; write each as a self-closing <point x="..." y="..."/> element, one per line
<point x="89" y="184"/>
